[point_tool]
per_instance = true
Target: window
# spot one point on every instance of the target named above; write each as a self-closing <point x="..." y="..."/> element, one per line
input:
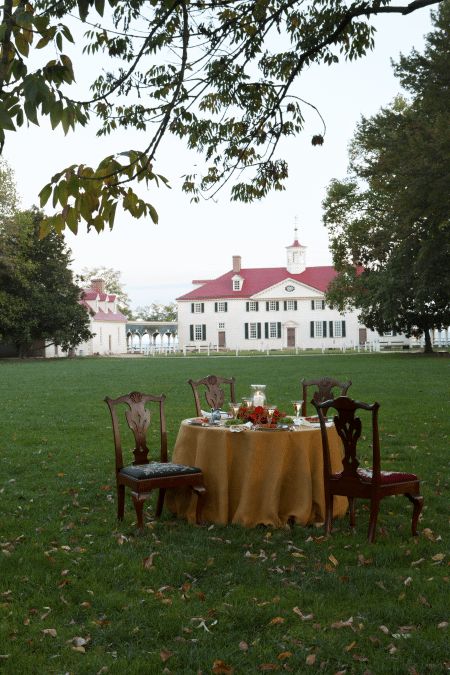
<point x="272" y="306"/>
<point x="252" y="306"/>
<point x="197" y="332"/>
<point x="290" y="305"/>
<point x="221" y="306"/>
<point x="273" y="330"/>
<point x="221" y="325"/>
<point x="318" y="329"/>
<point x="317" y="304"/>
<point x="197" y="307"/>
<point x="252" y="331"/>
<point x="237" y="284"/>
<point x="338" y="329"/>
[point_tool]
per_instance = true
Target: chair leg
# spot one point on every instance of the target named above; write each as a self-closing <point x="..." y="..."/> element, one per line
<point x="120" y="501"/>
<point x="374" y="508"/>
<point x="328" y="512"/>
<point x="139" y="508"/>
<point x="160" y="502"/>
<point x="417" y="501"/>
<point x="351" y="511"/>
<point x="200" y="491"/>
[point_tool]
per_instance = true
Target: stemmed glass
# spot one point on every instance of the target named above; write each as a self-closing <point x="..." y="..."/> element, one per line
<point x="234" y="407"/>
<point x="248" y="401"/>
<point x="298" y="409"/>
<point x="270" y="411"/>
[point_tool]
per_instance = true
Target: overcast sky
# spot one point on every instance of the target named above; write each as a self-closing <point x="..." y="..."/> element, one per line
<point x="158" y="262"/>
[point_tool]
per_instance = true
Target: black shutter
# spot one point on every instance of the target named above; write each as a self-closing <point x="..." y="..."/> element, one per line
<point x="203" y="307"/>
<point x="247" y="306"/>
<point x="246" y="330"/>
<point x="323" y="304"/>
<point x="312" y="306"/>
<point x="267" y="306"/>
<point x="226" y="306"/>
<point x="191" y="333"/>
<point x="203" y="331"/>
<point x="324" y="332"/>
<point x="285" y="305"/>
<point x="257" y="306"/>
<point x="331" y="329"/>
<point x="258" y="328"/>
<point x="279" y="329"/>
<point x="278" y="306"/>
<point x="215" y="306"/>
<point x="295" y="305"/>
<point x="343" y="329"/>
<point x="311" y="327"/>
<point x="266" y="330"/>
<point x="192" y="307"/>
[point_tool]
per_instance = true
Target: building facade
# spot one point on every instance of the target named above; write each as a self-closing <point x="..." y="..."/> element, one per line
<point x="268" y="308"/>
<point x="106" y="322"/>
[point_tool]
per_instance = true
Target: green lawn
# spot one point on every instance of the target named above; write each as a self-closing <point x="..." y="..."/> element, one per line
<point x="80" y="593"/>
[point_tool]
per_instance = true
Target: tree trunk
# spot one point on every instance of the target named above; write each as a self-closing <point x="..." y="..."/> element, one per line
<point x="428" y="349"/>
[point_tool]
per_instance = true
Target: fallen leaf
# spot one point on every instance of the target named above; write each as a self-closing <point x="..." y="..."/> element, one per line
<point x="343" y="624"/>
<point x="50" y="631"/>
<point x="408" y="581"/>
<point x="284" y="655"/>
<point x="384" y="629"/>
<point x="438" y="557"/>
<point x="276" y="620"/>
<point x="310" y="659"/>
<point x="443" y="624"/>
<point x="165" y="655"/>
<point x="220" y="666"/>
<point x="269" y="666"/>
<point x="351" y="646"/>
<point x="147" y="562"/>
<point x="333" y="560"/>
<point x="243" y="646"/>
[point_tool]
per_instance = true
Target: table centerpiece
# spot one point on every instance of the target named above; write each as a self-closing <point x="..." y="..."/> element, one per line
<point x="262" y="415"/>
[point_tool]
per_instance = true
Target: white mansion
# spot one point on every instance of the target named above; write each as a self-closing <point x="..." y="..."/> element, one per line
<point x="268" y="308"/>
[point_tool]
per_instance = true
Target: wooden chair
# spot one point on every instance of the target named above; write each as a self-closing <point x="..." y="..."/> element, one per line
<point x="144" y="475"/>
<point x="325" y="387"/>
<point x="213" y="391"/>
<point x="354" y="481"/>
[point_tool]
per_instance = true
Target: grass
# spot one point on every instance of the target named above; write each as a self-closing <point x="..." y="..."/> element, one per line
<point x="81" y="593"/>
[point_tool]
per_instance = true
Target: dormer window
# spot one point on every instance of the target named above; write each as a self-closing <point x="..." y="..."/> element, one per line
<point x="237" y="282"/>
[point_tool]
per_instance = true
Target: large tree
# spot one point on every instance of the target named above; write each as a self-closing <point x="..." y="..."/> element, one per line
<point x="389" y="221"/>
<point x="158" y="312"/>
<point x="39" y="301"/>
<point x="219" y="74"/>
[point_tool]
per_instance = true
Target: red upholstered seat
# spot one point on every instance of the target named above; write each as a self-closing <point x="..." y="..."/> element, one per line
<point x="386" y="476"/>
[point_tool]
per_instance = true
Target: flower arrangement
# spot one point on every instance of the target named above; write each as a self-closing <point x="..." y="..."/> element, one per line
<point x="259" y="415"/>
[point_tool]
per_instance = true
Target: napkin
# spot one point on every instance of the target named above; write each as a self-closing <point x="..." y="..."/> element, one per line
<point x="223" y="415"/>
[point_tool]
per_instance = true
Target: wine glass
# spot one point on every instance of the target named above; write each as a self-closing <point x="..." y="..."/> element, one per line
<point x="247" y="401"/>
<point x="234" y="407"/>
<point x="298" y="405"/>
<point x="270" y="411"/>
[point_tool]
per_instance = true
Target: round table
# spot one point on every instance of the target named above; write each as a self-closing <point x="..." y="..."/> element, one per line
<point x="253" y="477"/>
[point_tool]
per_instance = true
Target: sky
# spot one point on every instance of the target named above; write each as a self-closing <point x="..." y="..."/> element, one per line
<point x="197" y="241"/>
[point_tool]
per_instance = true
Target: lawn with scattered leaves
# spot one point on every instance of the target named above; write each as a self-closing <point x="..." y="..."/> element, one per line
<point x="82" y="593"/>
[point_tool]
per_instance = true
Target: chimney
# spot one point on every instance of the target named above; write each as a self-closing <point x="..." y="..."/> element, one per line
<point x="98" y="285"/>
<point x="236" y="264"/>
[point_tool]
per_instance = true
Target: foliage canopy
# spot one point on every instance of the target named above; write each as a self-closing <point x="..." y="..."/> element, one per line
<point x="218" y="74"/>
<point x="391" y="216"/>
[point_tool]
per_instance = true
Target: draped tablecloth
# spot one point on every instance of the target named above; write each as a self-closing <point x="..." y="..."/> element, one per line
<point x="256" y="477"/>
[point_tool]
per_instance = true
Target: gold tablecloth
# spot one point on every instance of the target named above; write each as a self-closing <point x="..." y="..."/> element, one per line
<point x="256" y="477"/>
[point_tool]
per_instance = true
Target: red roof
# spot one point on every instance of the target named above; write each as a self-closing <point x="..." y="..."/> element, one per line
<point x="258" y="280"/>
<point x="109" y="316"/>
<point x="95" y="295"/>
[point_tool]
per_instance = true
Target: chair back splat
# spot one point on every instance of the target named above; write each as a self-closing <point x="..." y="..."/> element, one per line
<point x="357" y="482"/>
<point x="325" y="389"/>
<point x="213" y="389"/>
<point x="134" y="412"/>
